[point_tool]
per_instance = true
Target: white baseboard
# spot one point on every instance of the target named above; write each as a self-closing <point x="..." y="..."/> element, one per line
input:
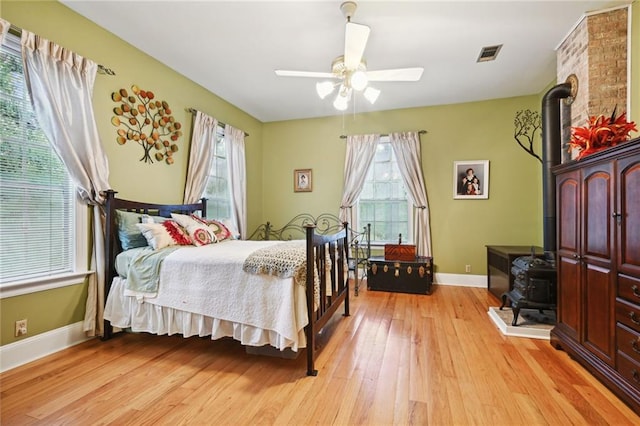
<point x="32" y="348"/>
<point x="462" y="280"/>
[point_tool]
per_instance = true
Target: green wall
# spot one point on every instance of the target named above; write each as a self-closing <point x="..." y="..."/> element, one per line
<point x="45" y="310"/>
<point x="472" y="131"/>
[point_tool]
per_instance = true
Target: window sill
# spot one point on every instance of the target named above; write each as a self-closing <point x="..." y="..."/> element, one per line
<point x="19" y="288"/>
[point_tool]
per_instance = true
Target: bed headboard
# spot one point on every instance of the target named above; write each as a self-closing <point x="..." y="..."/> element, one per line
<point x="112" y="242"/>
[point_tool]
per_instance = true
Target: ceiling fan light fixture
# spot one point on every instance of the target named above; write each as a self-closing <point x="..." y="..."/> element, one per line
<point x="371" y="94"/>
<point x="324" y="88"/>
<point x="349" y="71"/>
<point x="359" y="80"/>
<point x="342" y="100"/>
<point x="341" y="103"/>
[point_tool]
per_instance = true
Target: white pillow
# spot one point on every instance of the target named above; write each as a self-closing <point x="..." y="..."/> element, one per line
<point x="167" y="233"/>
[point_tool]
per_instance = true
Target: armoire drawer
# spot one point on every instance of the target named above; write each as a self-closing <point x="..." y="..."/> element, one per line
<point x="628" y="342"/>
<point x="629" y="369"/>
<point x="628" y="314"/>
<point x="629" y="288"/>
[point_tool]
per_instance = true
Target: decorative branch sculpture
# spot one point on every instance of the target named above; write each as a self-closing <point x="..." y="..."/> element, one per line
<point x="527" y="123"/>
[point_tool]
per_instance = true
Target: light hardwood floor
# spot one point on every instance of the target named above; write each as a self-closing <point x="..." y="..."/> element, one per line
<point x="399" y="359"/>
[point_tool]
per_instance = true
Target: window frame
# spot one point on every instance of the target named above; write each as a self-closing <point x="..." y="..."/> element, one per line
<point x="409" y="237"/>
<point x="80" y="241"/>
<point x="220" y="135"/>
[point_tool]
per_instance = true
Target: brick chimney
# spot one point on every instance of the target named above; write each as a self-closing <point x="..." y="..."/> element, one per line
<point x="595" y="51"/>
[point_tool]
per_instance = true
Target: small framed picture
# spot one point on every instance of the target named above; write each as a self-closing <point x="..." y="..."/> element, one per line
<point x="302" y="180"/>
<point x="471" y="180"/>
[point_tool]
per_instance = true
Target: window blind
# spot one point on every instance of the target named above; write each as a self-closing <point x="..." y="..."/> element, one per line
<point x="217" y="190"/>
<point x="37" y="233"/>
<point x="383" y="202"/>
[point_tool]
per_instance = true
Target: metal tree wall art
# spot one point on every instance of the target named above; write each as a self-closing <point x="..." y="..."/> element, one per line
<point x="527" y="123"/>
<point x="147" y="122"/>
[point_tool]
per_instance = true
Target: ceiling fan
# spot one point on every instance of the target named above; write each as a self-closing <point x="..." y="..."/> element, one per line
<point x="349" y="71"/>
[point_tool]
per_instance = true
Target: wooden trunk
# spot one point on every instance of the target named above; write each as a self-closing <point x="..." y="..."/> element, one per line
<point x="402" y="252"/>
<point x="398" y="276"/>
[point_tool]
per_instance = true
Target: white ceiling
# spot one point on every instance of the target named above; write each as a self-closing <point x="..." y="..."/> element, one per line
<point x="233" y="47"/>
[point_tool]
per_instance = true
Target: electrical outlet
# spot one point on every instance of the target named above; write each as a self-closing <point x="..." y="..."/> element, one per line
<point x="21" y="327"/>
<point x="467" y="268"/>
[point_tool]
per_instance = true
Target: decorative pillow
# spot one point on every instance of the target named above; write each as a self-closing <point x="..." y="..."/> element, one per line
<point x="129" y="234"/>
<point x="200" y="233"/>
<point x="217" y="227"/>
<point x="167" y="233"/>
<point x="235" y="234"/>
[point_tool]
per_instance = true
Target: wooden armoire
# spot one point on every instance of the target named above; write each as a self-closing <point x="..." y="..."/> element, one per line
<point x="598" y="262"/>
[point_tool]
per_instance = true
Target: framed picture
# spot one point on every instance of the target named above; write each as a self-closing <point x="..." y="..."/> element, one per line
<point x="302" y="180"/>
<point x="471" y="180"/>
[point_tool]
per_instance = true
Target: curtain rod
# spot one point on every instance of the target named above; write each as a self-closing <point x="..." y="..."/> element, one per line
<point x="193" y="111"/>
<point x="101" y="68"/>
<point x="420" y="132"/>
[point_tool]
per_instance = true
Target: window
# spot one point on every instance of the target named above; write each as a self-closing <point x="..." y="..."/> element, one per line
<point x="384" y="202"/>
<point x="217" y="191"/>
<point x="39" y="213"/>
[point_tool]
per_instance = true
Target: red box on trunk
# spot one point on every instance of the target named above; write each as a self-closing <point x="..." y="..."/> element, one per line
<point x="402" y="252"/>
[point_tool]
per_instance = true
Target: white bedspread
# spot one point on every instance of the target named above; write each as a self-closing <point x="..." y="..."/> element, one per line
<point x="252" y="308"/>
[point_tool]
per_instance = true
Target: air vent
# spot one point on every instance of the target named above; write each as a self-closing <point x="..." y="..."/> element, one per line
<point x="489" y="53"/>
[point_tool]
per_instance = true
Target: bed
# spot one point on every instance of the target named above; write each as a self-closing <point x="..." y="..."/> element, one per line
<point x="262" y="292"/>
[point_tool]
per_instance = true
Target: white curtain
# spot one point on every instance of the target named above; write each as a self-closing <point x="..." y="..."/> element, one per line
<point x="4" y="29"/>
<point x="360" y="152"/>
<point x="60" y="84"/>
<point x="406" y="147"/>
<point x="203" y="141"/>
<point x="234" y="144"/>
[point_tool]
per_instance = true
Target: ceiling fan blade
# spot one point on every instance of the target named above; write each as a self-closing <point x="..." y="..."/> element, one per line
<point x="312" y="74"/>
<point x="398" y="74"/>
<point x="355" y="40"/>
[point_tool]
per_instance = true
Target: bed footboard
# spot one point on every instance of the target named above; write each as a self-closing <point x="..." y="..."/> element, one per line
<point x="327" y="255"/>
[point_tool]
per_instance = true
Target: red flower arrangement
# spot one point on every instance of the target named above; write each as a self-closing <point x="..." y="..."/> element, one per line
<point x="601" y="132"/>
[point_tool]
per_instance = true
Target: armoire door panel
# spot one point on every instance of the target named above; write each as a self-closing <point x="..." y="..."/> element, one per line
<point x="568" y="192"/>
<point x="597" y="216"/>
<point x="569" y="294"/>
<point x="599" y="293"/>
<point x="629" y="210"/>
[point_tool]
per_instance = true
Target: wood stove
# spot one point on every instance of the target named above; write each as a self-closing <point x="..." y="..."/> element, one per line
<point x="534" y="286"/>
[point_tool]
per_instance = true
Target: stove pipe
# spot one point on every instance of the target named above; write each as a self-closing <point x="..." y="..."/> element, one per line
<point x="551" y="156"/>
